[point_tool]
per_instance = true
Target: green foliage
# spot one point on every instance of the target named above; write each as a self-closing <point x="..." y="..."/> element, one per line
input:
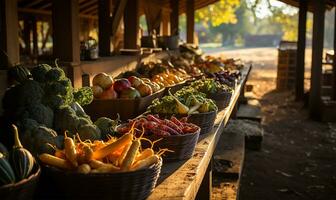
<point x="83" y="96"/>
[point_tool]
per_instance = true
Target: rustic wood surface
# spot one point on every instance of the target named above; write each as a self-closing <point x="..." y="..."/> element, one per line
<point x="181" y="180"/>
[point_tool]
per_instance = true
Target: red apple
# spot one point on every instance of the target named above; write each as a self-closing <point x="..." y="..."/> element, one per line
<point x="135" y="81"/>
<point x="110" y="93"/>
<point x="121" y="84"/>
<point x="130" y="93"/>
<point x="145" y="89"/>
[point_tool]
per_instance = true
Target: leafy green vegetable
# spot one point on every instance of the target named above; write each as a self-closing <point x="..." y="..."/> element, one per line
<point x="83" y="96"/>
<point x="65" y="119"/>
<point x="210" y="86"/>
<point x="89" y="132"/>
<point x="39" y="72"/>
<point x="41" y="114"/>
<point x="107" y="126"/>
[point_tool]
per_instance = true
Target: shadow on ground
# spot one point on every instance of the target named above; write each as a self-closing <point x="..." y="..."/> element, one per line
<point x="298" y="156"/>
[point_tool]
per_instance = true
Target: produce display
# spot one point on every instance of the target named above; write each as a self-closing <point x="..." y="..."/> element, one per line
<point x="226" y="77"/>
<point x="112" y="156"/>
<point x="210" y="86"/>
<point x="153" y="125"/>
<point x="18" y="165"/>
<point x="104" y="87"/>
<point x="162" y="73"/>
<point x="44" y="105"/>
<point x="184" y="101"/>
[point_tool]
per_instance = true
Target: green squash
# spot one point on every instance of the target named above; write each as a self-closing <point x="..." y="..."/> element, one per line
<point x="19" y="73"/>
<point x="7" y="175"/>
<point x="20" y="159"/>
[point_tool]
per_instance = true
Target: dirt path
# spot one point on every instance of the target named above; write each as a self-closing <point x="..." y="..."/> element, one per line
<point x="298" y="157"/>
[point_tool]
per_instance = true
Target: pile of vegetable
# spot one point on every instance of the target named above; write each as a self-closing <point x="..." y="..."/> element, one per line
<point x="185" y="101"/>
<point x="112" y="156"/>
<point x="153" y="125"/>
<point x="44" y="105"/>
<point x="210" y="86"/>
<point x="226" y="77"/>
<point x="17" y="164"/>
<point x="104" y="87"/>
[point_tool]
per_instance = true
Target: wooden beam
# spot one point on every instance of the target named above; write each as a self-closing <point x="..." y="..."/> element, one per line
<point x="104" y="27"/>
<point x="9" y="33"/>
<point x="317" y="53"/>
<point x="26" y="35"/>
<point x="32" y="3"/>
<point x="47" y="5"/>
<point x="90" y="9"/>
<point x="190" y="20"/>
<point x="301" y="47"/>
<point x="334" y="61"/>
<point x="35" y="38"/>
<point x="165" y="22"/>
<point x="174" y="17"/>
<point x="131" y="24"/>
<point x="66" y="31"/>
<point x="47" y="13"/>
<point x="118" y="11"/>
<point x="87" y="4"/>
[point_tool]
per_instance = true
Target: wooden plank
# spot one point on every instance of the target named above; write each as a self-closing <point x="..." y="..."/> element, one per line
<point x="190" y="20"/>
<point x="9" y="33"/>
<point x="26" y="35"/>
<point x="230" y="154"/>
<point x="118" y="11"/>
<point x="104" y="27"/>
<point x="250" y="112"/>
<point x="317" y="51"/>
<point x="226" y="190"/>
<point x="334" y="60"/>
<point x="301" y="47"/>
<point x="131" y="24"/>
<point x="181" y="180"/>
<point x="35" y="38"/>
<point x="174" y="17"/>
<point x="40" y="12"/>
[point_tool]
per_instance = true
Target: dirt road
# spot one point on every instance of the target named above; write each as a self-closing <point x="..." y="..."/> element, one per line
<point x="298" y="156"/>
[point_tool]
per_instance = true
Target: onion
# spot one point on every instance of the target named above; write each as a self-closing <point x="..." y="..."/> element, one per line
<point x="103" y="80"/>
<point x="97" y="91"/>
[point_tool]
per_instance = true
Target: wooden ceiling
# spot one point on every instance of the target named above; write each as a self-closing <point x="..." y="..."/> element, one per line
<point x="89" y="8"/>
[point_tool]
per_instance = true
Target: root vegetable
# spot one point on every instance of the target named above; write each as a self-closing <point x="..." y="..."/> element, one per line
<point x="55" y="161"/>
<point x="84" y="169"/>
<point x="70" y="150"/>
<point x="145" y="163"/>
<point x="104" y="151"/>
<point x="130" y="156"/>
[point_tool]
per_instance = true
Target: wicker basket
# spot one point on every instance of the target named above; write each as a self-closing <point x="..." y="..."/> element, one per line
<point x="126" y="108"/>
<point x="222" y="100"/>
<point x="135" y="185"/>
<point x="23" y="190"/>
<point x="203" y="120"/>
<point x="183" y="146"/>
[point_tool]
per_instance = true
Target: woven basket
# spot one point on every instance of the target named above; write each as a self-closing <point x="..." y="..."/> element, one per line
<point x="23" y="190"/>
<point x="222" y="99"/>
<point x="183" y="146"/>
<point x="135" y="185"/>
<point x="126" y="108"/>
<point x="203" y="120"/>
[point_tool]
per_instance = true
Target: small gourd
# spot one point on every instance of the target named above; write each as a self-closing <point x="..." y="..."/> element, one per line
<point x="7" y="175"/>
<point x="21" y="159"/>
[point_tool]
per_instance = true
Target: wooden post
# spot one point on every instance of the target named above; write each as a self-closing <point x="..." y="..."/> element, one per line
<point x="301" y="47"/>
<point x="66" y="44"/>
<point x="174" y="17"/>
<point x="190" y="20"/>
<point x="104" y="27"/>
<point x="26" y="35"/>
<point x="35" y="39"/>
<point x="334" y="61"/>
<point x="205" y="190"/>
<point x="317" y="53"/>
<point x="9" y="33"/>
<point x="131" y="24"/>
<point x="165" y="21"/>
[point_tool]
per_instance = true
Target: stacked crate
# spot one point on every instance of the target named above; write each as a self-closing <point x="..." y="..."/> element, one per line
<point x="286" y="65"/>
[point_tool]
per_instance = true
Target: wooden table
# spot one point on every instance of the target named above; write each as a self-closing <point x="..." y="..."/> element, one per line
<point x="191" y="179"/>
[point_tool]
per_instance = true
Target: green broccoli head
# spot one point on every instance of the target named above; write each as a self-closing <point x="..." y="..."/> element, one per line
<point x="55" y="88"/>
<point x="55" y="74"/>
<point x="28" y="124"/>
<point x="53" y="101"/>
<point x="89" y="132"/>
<point x="65" y="119"/>
<point x="83" y="96"/>
<point x="39" y="72"/>
<point x="41" y="114"/>
<point x="106" y="125"/>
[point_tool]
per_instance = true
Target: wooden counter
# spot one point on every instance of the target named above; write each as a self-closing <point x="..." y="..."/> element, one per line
<point x="183" y="179"/>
